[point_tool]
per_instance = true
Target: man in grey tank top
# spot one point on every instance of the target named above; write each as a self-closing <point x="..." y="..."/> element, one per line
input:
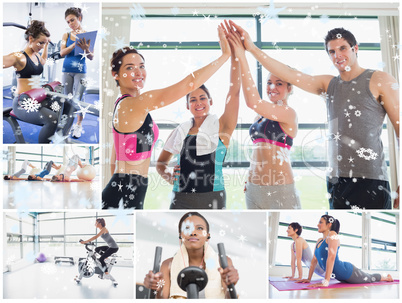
<point x="357" y="102"/>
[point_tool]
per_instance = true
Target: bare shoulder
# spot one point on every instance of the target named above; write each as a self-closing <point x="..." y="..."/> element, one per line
<point x="380" y="77"/>
<point x="167" y="263"/>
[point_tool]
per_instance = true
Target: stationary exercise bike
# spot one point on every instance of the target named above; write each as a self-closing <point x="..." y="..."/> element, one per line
<point x="89" y="266"/>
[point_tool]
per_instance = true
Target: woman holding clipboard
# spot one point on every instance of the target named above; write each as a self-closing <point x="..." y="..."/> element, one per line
<point x="74" y="66"/>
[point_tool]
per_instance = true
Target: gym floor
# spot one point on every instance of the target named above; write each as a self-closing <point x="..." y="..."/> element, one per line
<point x="390" y="291"/>
<point x="50" y="281"/>
<point x="51" y="195"/>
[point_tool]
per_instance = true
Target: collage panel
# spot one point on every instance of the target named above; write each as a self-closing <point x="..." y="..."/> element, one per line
<point x="185" y="128"/>
<point x="205" y="255"/>
<point x="51" y="60"/>
<point x="334" y="255"/>
<point x="68" y="255"/>
<point x="51" y="177"/>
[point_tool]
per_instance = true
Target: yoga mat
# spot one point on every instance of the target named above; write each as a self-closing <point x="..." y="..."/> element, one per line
<point x="282" y="284"/>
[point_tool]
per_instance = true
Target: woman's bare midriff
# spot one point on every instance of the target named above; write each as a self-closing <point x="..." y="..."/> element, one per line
<point x="23" y="85"/>
<point x="133" y="167"/>
<point x="269" y="166"/>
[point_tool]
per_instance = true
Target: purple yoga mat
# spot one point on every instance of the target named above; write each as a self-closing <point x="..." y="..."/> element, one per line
<point x="283" y="284"/>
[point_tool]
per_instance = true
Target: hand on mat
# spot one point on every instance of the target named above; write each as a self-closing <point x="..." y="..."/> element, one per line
<point x="317" y="285"/>
<point x="151" y="280"/>
<point x="229" y="275"/>
<point x="292" y="279"/>
<point x="303" y="281"/>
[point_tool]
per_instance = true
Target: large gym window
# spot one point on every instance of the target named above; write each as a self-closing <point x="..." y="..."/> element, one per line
<point x="189" y="42"/>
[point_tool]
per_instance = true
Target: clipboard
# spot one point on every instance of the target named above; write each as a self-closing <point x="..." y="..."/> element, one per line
<point x="88" y="36"/>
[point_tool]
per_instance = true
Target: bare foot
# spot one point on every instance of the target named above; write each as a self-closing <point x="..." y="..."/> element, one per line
<point x="387" y="278"/>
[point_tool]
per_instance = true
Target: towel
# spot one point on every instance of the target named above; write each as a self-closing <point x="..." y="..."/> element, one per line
<point x="207" y="138"/>
<point x="213" y="290"/>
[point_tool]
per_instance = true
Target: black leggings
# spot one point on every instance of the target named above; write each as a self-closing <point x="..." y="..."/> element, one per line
<point x="127" y="188"/>
<point x="105" y="251"/>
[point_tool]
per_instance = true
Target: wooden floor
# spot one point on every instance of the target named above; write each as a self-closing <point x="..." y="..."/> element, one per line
<point x="51" y="195"/>
<point x="371" y="292"/>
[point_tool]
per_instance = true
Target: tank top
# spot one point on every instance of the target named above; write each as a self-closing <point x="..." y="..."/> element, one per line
<point x="199" y="174"/>
<point x="265" y="130"/>
<point x="109" y="240"/>
<point x="30" y="69"/>
<point x="342" y="270"/>
<point x="135" y="145"/>
<point x="72" y="63"/>
<point x="307" y="256"/>
<point x="355" y="121"/>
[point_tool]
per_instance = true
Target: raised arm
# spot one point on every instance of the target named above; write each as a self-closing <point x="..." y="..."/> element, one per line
<point x="311" y="84"/>
<point x="251" y="95"/>
<point x="43" y="57"/>
<point x="228" y="120"/>
<point x="11" y="60"/>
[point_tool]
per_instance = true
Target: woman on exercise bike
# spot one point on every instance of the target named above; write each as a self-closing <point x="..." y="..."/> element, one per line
<point x="194" y="251"/>
<point x="29" y="64"/>
<point x="104" y="251"/>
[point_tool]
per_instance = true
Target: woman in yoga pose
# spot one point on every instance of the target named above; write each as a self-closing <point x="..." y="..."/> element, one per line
<point x="134" y="131"/>
<point x="201" y="145"/>
<point x="72" y="165"/>
<point x="300" y="252"/>
<point x="194" y="251"/>
<point x="23" y="170"/>
<point x="104" y="251"/>
<point x="28" y="64"/>
<point x="74" y="66"/>
<point x="270" y="183"/>
<point x="326" y="255"/>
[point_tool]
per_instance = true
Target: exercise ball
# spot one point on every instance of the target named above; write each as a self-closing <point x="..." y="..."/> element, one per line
<point x="87" y="173"/>
<point x="41" y="258"/>
<point x="35" y="171"/>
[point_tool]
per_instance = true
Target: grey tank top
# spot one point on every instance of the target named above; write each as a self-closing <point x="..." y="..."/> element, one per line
<point x="355" y="121"/>
<point x="307" y="256"/>
<point x="109" y="240"/>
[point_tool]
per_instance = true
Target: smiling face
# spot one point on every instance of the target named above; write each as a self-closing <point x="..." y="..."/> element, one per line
<point x="73" y="22"/>
<point x="198" y="103"/>
<point x="132" y="73"/>
<point x="277" y="89"/>
<point x="194" y="232"/>
<point x="290" y="231"/>
<point x="342" y="55"/>
<point x="39" y="43"/>
<point x="323" y="226"/>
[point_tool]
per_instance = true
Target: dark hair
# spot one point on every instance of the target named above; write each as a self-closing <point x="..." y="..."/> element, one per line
<point x="335" y="223"/>
<point x="76" y="11"/>
<point x="297" y="226"/>
<point x="204" y="88"/>
<point x="118" y="55"/>
<point x="6" y="177"/>
<point x="189" y="214"/>
<point x="36" y="29"/>
<point x="338" y="33"/>
<point x="101" y="221"/>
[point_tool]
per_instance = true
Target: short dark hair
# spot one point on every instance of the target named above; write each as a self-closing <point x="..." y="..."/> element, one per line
<point x="189" y="214"/>
<point x="297" y="226"/>
<point x="338" y="33"/>
<point x="36" y="29"/>
<point x="335" y="223"/>
<point x="118" y="55"/>
<point x="6" y="177"/>
<point x="204" y="88"/>
<point x="101" y="221"/>
<point x="76" y="11"/>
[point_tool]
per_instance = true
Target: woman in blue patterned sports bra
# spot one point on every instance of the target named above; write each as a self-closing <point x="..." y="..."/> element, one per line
<point x="270" y="183"/>
<point x="326" y="256"/>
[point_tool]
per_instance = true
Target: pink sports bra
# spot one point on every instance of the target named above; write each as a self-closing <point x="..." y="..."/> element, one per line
<point x="136" y="145"/>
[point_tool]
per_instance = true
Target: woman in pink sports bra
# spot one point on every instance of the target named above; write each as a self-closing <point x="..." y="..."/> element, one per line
<point x="270" y="183"/>
<point x="134" y="131"/>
